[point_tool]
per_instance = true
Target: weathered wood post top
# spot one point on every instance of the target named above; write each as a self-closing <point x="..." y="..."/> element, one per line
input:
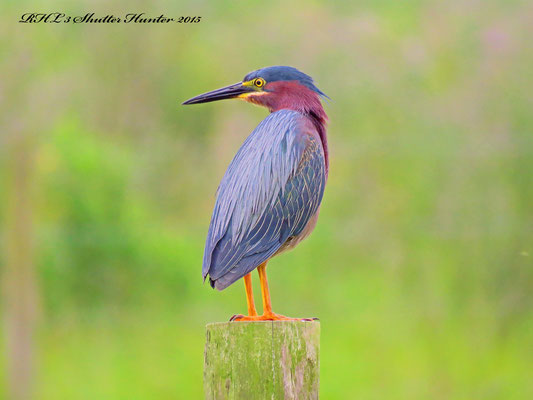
<point x="262" y="360"/>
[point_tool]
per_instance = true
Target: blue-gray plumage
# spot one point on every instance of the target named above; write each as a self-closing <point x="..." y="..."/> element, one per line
<point x="269" y="193"/>
<point x="269" y="198"/>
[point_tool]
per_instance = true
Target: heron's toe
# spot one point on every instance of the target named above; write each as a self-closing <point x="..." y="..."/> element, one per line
<point x="236" y="317"/>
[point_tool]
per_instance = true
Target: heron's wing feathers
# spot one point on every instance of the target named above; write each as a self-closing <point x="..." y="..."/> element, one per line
<point x="271" y="189"/>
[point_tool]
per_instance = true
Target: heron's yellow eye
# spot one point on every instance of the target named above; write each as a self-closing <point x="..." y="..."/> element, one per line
<point x="259" y="82"/>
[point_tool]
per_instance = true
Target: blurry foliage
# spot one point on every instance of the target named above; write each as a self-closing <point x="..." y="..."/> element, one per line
<point x="421" y="264"/>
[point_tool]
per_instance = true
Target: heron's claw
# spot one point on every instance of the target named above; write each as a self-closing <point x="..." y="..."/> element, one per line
<point x="236" y="317"/>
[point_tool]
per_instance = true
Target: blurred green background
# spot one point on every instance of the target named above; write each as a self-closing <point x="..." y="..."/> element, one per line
<point x="420" y="268"/>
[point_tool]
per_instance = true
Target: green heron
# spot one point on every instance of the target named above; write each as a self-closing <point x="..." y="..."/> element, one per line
<point x="269" y="198"/>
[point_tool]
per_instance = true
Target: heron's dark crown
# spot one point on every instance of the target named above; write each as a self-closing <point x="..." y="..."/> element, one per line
<point x="283" y="73"/>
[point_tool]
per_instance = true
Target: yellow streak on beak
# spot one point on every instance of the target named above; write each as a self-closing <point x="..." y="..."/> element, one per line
<point x="250" y="94"/>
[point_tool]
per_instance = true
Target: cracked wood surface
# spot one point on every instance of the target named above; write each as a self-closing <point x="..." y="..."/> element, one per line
<point x="262" y="360"/>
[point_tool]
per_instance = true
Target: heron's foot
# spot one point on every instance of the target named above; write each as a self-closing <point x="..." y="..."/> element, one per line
<point x="267" y="317"/>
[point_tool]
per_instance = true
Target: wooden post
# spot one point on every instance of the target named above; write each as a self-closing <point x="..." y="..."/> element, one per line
<point x="262" y="360"/>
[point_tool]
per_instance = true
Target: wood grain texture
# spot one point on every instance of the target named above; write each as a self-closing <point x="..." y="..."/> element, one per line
<point x="262" y="360"/>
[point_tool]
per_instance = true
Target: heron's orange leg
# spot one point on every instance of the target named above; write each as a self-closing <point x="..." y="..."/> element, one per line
<point x="249" y="295"/>
<point x="265" y="293"/>
<point x="268" y="315"/>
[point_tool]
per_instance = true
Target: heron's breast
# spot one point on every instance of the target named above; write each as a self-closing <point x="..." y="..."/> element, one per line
<point x="293" y="241"/>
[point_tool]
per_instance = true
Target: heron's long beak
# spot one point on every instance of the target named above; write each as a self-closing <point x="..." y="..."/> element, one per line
<point x="228" y="92"/>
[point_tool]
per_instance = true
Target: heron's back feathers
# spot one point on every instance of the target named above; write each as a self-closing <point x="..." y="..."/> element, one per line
<point x="270" y="191"/>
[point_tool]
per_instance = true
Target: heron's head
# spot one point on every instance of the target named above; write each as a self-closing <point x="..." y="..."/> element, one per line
<point x="272" y="87"/>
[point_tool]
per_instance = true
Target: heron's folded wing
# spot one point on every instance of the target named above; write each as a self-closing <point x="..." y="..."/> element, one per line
<point x="271" y="189"/>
